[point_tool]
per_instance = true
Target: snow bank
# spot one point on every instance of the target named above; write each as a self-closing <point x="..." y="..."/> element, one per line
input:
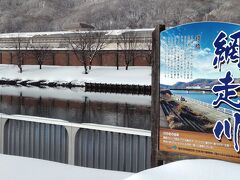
<point x="191" y="170"/>
<point x="138" y="75"/>
<point x="20" y="168"/>
<point x="12" y="168"/>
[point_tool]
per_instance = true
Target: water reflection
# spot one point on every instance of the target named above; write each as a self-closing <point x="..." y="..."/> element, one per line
<point x="77" y="106"/>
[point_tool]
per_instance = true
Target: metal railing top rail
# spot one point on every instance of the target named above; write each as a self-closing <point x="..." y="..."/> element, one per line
<point x="100" y="127"/>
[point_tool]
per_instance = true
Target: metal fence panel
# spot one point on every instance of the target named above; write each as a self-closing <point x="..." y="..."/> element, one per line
<point x="36" y="140"/>
<point x="111" y="150"/>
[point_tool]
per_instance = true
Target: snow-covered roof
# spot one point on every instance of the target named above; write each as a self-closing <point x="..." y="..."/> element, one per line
<point x="57" y="33"/>
<point x="121" y="31"/>
<point x="32" y="34"/>
<point x="57" y="39"/>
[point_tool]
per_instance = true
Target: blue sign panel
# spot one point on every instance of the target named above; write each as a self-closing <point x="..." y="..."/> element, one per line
<point x="200" y="87"/>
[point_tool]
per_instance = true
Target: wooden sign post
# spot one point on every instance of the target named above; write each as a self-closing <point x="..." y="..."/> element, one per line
<point x="155" y="106"/>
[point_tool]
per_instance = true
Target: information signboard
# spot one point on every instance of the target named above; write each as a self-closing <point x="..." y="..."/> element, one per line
<point x="199" y="90"/>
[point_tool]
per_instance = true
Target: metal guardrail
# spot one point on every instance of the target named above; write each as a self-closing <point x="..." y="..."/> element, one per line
<point x="220" y="109"/>
<point x="100" y="127"/>
<point x="89" y="145"/>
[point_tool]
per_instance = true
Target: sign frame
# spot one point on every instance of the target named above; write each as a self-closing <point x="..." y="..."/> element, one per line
<point x="156" y="111"/>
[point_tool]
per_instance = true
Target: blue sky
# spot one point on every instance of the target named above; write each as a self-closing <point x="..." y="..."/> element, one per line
<point x="203" y="57"/>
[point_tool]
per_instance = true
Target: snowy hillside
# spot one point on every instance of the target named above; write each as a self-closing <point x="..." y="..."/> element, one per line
<point x="53" y="15"/>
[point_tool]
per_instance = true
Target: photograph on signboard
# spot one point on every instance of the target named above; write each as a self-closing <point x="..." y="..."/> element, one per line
<point x="200" y="89"/>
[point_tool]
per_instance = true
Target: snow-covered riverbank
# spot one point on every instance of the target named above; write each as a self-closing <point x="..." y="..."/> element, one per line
<point x="136" y="75"/>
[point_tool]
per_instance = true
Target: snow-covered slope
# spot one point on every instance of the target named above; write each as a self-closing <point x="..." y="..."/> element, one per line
<point x="191" y="170"/>
<point x="75" y="74"/>
<point x="19" y="168"/>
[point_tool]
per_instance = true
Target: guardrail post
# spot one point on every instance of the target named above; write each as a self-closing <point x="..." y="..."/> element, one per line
<point x="72" y="131"/>
<point x="2" y="125"/>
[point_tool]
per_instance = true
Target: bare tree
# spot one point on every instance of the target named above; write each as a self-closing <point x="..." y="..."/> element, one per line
<point x="79" y="45"/>
<point x="40" y="52"/>
<point x="162" y="9"/>
<point x="86" y="45"/>
<point x="178" y="12"/>
<point x="128" y="45"/>
<point x="146" y="50"/>
<point x="98" y="43"/>
<point x="21" y="47"/>
<point x="117" y="63"/>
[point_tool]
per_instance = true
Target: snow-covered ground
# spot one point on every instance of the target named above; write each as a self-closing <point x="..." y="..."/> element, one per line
<point x="20" y="168"/>
<point x="138" y="75"/>
<point x="191" y="170"/>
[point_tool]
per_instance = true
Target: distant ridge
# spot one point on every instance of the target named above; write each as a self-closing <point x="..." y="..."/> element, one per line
<point x="194" y="83"/>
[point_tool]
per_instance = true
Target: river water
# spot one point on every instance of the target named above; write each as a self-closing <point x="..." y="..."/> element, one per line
<point x="207" y="97"/>
<point x="75" y="105"/>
